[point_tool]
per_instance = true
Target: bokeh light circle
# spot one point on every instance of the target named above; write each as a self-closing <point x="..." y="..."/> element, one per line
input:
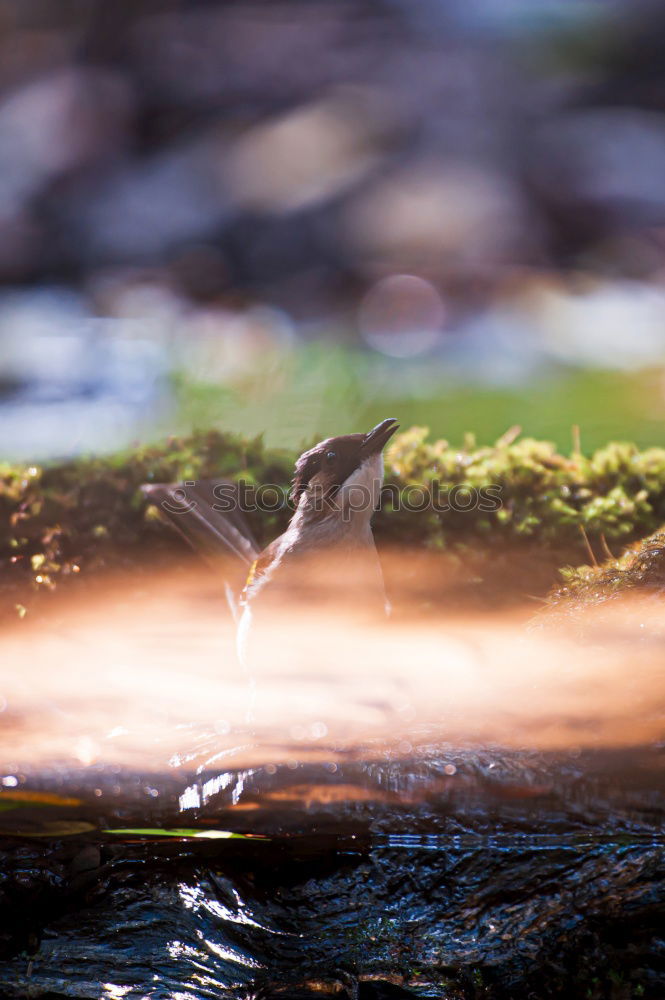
<point x="402" y="316"/>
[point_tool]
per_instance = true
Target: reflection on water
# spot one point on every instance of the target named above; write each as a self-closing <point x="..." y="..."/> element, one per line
<point x="438" y="805"/>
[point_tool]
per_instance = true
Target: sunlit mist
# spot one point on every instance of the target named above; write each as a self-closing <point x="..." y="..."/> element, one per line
<point x="145" y="675"/>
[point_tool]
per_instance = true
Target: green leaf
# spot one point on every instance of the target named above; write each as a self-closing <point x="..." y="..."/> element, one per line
<point x="184" y="832"/>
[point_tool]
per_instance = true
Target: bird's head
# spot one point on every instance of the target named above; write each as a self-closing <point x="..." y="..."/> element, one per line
<point x="343" y="473"/>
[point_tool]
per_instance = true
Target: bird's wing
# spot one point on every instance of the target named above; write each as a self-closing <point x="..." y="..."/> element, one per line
<point x="207" y="513"/>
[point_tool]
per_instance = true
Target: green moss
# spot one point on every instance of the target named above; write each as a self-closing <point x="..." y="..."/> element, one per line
<point x="618" y="492"/>
<point x="641" y="567"/>
<point x="65" y="523"/>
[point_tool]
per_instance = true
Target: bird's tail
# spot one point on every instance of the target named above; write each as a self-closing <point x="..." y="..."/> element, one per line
<point x="208" y="514"/>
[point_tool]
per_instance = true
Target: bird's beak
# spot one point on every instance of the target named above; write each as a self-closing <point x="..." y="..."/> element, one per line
<point x="376" y="439"/>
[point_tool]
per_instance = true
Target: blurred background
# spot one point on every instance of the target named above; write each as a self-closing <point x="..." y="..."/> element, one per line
<point x="300" y="217"/>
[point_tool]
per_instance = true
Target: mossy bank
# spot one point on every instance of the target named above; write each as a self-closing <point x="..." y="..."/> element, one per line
<point x="63" y="525"/>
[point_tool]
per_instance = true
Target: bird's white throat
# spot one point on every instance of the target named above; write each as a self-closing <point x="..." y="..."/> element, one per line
<point x="346" y="517"/>
<point x="359" y="495"/>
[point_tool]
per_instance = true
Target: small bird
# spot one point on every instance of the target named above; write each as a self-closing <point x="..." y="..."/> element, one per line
<point x="335" y="491"/>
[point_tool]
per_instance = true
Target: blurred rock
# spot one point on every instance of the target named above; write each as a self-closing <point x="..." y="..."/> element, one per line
<point x="438" y="218"/>
<point x="58" y="123"/>
<point x="612" y="160"/>
<point x="601" y="324"/>
<point x="142" y="210"/>
<point x="313" y="147"/>
<point x="72" y="382"/>
<point x="307" y="156"/>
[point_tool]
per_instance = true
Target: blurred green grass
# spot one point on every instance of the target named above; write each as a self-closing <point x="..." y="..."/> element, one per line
<point x="320" y="390"/>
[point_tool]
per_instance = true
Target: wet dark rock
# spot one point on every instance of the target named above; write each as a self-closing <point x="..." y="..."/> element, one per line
<point x="475" y="896"/>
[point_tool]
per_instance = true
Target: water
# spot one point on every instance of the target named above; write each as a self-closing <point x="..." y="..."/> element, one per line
<point x="479" y="818"/>
<point x="488" y="880"/>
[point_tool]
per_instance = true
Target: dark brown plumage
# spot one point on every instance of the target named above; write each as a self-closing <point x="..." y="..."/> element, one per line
<point x="336" y="458"/>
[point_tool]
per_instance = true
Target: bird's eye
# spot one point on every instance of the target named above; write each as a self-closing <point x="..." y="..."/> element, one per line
<point x="331" y="456"/>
